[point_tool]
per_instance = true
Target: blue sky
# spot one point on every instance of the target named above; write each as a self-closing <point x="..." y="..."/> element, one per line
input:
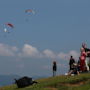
<point x="54" y="32"/>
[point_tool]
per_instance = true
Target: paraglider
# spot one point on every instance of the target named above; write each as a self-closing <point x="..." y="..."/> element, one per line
<point x="8" y="27"/>
<point x="30" y="11"/>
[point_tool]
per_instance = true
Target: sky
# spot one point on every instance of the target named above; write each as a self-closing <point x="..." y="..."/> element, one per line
<point x="54" y="32"/>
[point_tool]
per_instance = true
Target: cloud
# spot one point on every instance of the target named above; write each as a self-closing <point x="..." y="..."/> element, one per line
<point x="63" y="56"/>
<point x="6" y="50"/>
<point x="29" y="51"/>
<point x="66" y="56"/>
<point x="49" y="54"/>
<point x="74" y="53"/>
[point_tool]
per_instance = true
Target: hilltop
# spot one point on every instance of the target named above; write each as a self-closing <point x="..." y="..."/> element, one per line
<point x="62" y="82"/>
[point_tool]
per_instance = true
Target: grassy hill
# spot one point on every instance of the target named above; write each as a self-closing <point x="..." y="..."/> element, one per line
<point x="80" y="82"/>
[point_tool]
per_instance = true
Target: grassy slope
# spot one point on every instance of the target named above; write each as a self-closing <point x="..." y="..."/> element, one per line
<point x="81" y="82"/>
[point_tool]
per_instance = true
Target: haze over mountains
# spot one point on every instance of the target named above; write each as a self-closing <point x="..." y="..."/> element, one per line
<point x="9" y="79"/>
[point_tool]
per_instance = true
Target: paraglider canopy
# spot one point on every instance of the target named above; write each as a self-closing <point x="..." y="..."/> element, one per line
<point x="30" y="11"/>
<point x="10" y="25"/>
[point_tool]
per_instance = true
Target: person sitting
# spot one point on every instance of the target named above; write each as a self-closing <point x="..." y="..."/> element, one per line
<point x="74" y="70"/>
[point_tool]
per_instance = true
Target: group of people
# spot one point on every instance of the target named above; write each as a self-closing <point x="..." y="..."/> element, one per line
<point x="77" y="67"/>
<point x="83" y="63"/>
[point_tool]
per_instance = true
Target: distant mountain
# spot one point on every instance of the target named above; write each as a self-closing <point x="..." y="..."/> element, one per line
<point x="7" y="79"/>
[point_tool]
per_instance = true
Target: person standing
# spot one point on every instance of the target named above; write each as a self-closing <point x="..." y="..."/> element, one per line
<point x="82" y="60"/>
<point x="54" y="68"/>
<point x="71" y="62"/>
<point x="87" y="50"/>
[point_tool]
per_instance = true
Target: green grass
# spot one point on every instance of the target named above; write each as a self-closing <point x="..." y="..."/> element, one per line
<point x="80" y="82"/>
